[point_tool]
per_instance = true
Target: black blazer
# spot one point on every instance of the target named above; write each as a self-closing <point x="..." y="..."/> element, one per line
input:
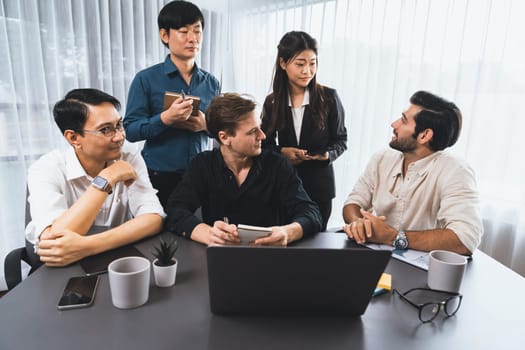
<point x="317" y="176"/>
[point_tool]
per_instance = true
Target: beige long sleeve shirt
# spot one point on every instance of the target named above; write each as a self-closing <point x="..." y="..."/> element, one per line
<point x="438" y="191"/>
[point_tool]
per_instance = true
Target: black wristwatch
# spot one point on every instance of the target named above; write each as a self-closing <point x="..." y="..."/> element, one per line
<point x="401" y="241"/>
<point x="102" y="184"/>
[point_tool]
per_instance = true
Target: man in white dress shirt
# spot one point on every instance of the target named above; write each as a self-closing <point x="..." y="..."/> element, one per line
<point x="100" y="180"/>
<point x="415" y="195"/>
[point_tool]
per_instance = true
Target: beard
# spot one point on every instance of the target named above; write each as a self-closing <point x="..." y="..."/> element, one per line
<point x="407" y="144"/>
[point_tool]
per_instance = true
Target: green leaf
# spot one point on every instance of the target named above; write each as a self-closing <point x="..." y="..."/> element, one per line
<point x="165" y="251"/>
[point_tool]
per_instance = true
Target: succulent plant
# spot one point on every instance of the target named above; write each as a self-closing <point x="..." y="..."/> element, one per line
<point x="165" y="251"/>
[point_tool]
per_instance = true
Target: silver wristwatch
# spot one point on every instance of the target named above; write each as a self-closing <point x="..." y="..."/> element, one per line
<point x="102" y="184"/>
<point x="401" y="241"/>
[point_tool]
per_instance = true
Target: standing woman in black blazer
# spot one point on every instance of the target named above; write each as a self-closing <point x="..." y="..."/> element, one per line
<point x="304" y="120"/>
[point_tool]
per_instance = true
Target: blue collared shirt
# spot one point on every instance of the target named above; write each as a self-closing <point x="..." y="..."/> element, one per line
<point x="166" y="148"/>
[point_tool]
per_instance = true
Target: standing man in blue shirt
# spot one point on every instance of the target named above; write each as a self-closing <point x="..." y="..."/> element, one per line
<point x="173" y="137"/>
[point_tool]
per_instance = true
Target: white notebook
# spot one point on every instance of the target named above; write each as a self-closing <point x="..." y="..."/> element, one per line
<point x="248" y="233"/>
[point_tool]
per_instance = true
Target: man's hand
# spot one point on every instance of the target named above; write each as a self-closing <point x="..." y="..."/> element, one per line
<point x="296" y="155"/>
<point x="358" y="230"/>
<point x="224" y="234"/>
<point x="370" y="228"/>
<point x="119" y="171"/>
<point x="61" y="248"/>
<point x="278" y="237"/>
<point x="194" y="123"/>
<point x="180" y="110"/>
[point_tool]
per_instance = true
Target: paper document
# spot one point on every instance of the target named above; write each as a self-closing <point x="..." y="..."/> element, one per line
<point x="413" y="257"/>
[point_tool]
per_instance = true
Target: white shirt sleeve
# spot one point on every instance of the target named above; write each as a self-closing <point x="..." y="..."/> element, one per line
<point x="57" y="180"/>
<point x="47" y="201"/>
<point x="363" y="191"/>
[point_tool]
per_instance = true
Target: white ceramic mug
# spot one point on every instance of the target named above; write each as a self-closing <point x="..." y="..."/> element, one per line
<point x="445" y="270"/>
<point x="129" y="279"/>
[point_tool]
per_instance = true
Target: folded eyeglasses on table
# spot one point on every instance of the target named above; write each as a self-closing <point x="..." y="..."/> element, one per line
<point x="430" y="301"/>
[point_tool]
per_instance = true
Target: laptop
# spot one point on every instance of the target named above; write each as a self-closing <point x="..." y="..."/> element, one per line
<point x="293" y="280"/>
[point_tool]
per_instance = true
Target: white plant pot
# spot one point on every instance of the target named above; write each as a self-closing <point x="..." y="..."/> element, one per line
<point x="165" y="275"/>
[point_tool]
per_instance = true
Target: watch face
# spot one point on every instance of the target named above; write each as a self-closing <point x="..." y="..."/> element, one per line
<point x="100" y="182"/>
<point x="401" y="243"/>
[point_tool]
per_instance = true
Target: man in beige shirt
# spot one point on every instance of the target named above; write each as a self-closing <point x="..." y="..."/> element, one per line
<point x="417" y="196"/>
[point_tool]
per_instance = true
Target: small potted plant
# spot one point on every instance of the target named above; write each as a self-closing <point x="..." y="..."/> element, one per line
<point x="165" y="263"/>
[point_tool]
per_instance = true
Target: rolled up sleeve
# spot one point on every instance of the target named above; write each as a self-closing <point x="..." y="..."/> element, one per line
<point x="140" y="122"/>
<point x="363" y="191"/>
<point x="460" y="207"/>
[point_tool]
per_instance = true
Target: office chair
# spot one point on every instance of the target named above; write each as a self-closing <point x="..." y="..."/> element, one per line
<point x="13" y="260"/>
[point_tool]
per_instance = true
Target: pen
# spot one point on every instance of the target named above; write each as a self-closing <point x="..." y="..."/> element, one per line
<point x="226" y="221"/>
<point x="183" y="95"/>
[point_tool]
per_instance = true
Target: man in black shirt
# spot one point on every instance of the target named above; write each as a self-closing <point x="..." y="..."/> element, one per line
<point x="240" y="184"/>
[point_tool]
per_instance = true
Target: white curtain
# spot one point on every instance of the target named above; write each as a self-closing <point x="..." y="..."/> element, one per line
<point x="50" y="47"/>
<point x="377" y="53"/>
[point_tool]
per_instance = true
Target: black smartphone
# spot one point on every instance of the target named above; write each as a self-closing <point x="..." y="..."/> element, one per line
<point x="315" y="153"/>
<point x="79" y="292"/>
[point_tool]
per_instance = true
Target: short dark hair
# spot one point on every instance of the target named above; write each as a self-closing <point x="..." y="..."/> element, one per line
<point x="71" y="113"/>
<point x="226" y="111"/>
<point x="440" y="115"/>
<point x="177" y="14"/>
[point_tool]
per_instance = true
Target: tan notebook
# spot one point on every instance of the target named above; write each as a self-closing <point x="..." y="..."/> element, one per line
<point x="169" y="97"/>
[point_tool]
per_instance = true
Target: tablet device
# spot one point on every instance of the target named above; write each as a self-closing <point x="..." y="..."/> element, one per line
<point x="98" y="264"/>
